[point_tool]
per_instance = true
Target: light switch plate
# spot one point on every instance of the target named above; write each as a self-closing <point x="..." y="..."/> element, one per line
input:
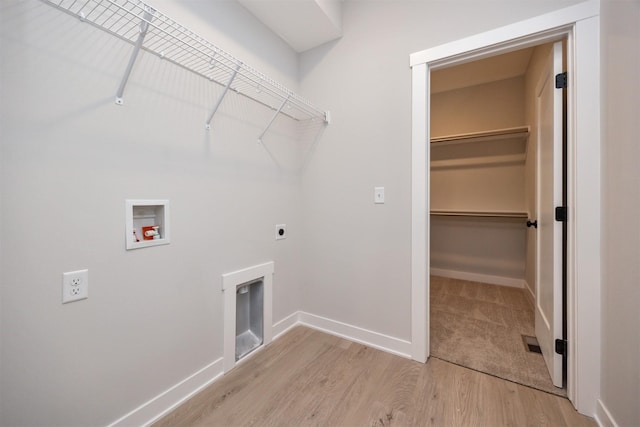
<point x="378" y="196"/>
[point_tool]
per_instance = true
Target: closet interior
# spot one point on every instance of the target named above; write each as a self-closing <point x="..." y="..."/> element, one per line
<point x="482" y="196"/>
<point x="479" y="158"/>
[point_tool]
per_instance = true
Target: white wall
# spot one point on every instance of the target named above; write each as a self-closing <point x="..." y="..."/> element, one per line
<point x="493" y="182"/>
<point x="621" y="203"/>
<point x="357" y="253"/>
<point x="479" y="246"/>
<point x="70" y="158"/>
<point x="478" y="108"/>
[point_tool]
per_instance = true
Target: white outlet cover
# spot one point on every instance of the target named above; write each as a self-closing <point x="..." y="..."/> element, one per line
<point x="75" y="286"/>
<point x="281" y="231"/>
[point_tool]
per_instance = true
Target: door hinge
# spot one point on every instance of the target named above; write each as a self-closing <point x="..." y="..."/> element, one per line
<point x="561" y="81"/>
<point x="561" y="213"/>
<point x="561" y="347"/>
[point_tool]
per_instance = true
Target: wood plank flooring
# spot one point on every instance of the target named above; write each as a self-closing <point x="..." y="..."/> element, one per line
<point x="308" y="378"/>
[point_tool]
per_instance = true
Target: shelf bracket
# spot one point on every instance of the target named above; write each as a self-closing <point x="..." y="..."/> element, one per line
<point x="274" y="117"/>
<point x="221" y="97"/>
<point x="144" y="26"/>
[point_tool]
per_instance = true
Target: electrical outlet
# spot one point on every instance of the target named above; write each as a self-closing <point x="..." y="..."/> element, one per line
<point x="75" y="285"/>
<point x="281" y="231"/>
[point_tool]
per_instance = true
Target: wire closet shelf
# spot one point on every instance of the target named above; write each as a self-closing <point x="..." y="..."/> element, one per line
<point x="148" y="29"/>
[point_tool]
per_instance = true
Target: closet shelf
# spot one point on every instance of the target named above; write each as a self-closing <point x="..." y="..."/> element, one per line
<point x="479" y="161"/>
<point x="146" y="28"/>
<point x="481" y="214"/>
<point x="518" y="133"/>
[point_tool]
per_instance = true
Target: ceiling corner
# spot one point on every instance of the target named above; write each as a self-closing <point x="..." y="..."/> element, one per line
<point x="302" y="24"/>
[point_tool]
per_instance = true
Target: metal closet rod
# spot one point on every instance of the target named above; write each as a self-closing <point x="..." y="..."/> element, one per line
<point x="480" y="214"/>
<point x="148" y="29"/>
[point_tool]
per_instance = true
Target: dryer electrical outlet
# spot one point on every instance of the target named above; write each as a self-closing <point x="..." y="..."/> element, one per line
<point x="281" y="231"/>
<point x="75" y="285"/>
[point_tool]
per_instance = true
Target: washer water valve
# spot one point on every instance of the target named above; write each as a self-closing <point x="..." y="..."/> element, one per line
<point x="151" y="232"/>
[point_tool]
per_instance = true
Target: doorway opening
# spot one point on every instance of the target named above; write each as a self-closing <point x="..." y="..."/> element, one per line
<point x="579" y="24"/>
<point x="491" y="150"/>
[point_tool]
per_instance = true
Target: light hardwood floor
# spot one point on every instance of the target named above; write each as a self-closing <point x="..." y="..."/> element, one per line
<point x="310" y="378"/>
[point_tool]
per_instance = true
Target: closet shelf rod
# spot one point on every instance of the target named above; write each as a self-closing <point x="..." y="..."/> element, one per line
<point x="175" y="43"/>
<point x="515" y="132"/>
<point x="481" y="214"/>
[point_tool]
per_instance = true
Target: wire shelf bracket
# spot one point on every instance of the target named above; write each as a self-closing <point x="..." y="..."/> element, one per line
<point x="221" y="97"/>
<point x="144" y="27"/>
<point x="149" y="30"/>
<point x="273" y="119"/>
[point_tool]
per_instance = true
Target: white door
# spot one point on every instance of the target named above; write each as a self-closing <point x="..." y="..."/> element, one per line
<point x="548" y="318"/>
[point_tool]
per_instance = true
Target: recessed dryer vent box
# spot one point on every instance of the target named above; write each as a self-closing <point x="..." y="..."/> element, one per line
<point x="147" y="223"/>
<point x="249" y="317"/>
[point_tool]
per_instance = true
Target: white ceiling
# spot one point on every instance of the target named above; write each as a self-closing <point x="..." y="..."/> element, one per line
<point x="303" y="24"/>
<point x="487" y="70"/>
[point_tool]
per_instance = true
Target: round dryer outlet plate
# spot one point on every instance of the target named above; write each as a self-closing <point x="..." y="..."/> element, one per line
<point x="281" y="231"/>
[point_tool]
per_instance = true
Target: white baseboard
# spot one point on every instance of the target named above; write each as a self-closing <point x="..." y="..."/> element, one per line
<point x="343" y="330"/>
<point x="530" y="289"/>
<point x="530" y="294"/>
<point x="165" y="402"/>
<point x="603" y="416"/>
<point x="477" y="277"/>
<point x="170" y="399"/>
<point x="354" y="333"/>
<point x="284" y="325"/>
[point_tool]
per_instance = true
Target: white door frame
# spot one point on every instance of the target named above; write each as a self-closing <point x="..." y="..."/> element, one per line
<point x="580" y="25"/>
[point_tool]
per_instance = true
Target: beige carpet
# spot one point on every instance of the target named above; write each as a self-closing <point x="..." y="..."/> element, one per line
<point x="480" y="326"/>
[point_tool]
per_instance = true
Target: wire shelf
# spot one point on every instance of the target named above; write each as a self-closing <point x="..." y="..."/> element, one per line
<point x="139" y="24"/>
